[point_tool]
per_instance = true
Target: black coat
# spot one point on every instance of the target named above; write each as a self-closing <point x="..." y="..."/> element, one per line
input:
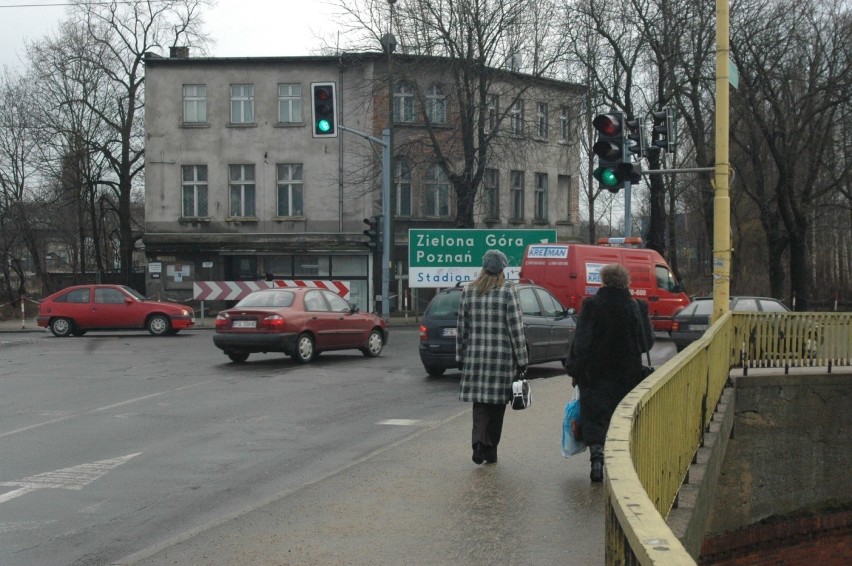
<point x="612" y="334"/>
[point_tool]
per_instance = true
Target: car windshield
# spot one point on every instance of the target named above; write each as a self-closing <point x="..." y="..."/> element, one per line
<point x="444" y="305"/>
<point x="703" y="308"/>
<point x="268" y="299"/>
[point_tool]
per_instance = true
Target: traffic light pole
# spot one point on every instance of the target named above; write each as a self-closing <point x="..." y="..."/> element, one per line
<point x="386" y="190"/>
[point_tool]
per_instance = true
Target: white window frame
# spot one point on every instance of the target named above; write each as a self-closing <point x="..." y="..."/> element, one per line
<point x="197" y="185"/>
<point x="290" y="193"/>
<point x="541" y="189"/>
<point x="195" y="104"/>
<point x="242" y="104"/>
<point x="437" y="192"/>
<point x="241" y="184"/>
<point x="565" y="124"/>
<point x="517" y="192"/>
<point x="402" y="179"/>
<point x="541" y="116"/>
<point x="403" y="103"/>
<point x="436" y="104"/>
<point x="516" y="118"/>
<point x="491" y="196"/>
<point x="492" y="109"/>
<point x="289" y="103"/>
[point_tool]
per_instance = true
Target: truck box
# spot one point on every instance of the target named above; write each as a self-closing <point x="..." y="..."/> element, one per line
<point x="572" y="273"/>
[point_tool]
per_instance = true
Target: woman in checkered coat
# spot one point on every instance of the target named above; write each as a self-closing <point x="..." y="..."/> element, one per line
<point x="490" y="349"/>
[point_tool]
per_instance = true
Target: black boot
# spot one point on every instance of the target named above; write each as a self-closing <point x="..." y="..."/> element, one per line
<point x="478" y="456"/>
<point x="596" y="456"/>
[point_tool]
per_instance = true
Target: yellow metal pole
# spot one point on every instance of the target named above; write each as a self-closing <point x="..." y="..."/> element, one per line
<point x="722" y="202"/>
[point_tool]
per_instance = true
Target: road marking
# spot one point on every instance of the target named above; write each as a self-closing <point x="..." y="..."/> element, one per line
<point x="104" y="408"/>
<point x="75" y="477"/>
<point x="405" y="422"/>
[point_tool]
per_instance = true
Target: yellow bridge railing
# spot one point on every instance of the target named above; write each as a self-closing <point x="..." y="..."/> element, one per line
<point x="658" y="427"/>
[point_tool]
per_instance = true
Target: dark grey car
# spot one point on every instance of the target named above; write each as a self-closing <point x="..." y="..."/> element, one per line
<point x="548" y="327"/>
<point x="689" y="324"/>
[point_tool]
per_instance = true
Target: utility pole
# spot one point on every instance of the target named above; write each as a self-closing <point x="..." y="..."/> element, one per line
<point x="386" y="237"/>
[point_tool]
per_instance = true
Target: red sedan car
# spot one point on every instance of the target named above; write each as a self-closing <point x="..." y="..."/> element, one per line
<point x="300" y="323"/>
<point x="76" y="310"/>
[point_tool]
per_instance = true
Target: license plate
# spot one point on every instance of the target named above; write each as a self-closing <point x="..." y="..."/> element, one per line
<point x="244" y="324"/>
<point x="448" y="332"/>
<point x="698" y="326"/>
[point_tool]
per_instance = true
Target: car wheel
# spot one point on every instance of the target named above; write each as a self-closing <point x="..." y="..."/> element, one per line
<point x="159" y="325"/>
<point x="434" y="371"/>
<point x="375" y="343"/>
<point x="304" y="348"/>
<point x="238" y="357"/>
<point x="61" y="327"/>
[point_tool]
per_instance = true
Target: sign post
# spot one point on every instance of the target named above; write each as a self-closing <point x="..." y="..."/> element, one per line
<point x="445" y="257"/>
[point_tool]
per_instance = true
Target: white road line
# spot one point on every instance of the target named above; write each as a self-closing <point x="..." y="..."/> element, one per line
<point x="104" y="408"/>
<point x="75" y="477"/>
<point x="399" y="422"/>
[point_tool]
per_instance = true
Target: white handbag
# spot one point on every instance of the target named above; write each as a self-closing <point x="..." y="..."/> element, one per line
<point x="521" y="394"/>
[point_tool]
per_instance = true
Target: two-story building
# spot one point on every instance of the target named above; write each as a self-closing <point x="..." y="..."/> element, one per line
<point x="237" y="188"/>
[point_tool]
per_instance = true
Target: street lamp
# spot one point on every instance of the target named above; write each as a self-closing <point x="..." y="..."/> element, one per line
<point x="388" y="43"/>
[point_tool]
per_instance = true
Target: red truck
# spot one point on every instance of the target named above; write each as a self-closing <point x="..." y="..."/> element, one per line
<point x="572" y="273"/>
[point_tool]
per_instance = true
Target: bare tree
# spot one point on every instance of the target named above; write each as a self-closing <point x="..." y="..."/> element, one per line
<point x="18" y="168"/>
<point x="472" y="39"/>
<point x="790" y="111"/>
<point x="119" y="34"/>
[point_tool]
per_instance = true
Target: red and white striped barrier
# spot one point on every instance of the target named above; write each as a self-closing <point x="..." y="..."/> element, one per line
<point x="236" y="290"/>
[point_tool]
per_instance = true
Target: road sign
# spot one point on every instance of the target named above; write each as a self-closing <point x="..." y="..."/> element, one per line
<point x="442" y="258"/>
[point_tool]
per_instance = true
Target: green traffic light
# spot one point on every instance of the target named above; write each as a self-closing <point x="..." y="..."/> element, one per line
<point x="606" y="176"/>
<point x="323" y="126"/>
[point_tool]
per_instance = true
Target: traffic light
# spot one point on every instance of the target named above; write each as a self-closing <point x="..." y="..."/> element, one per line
<point x="323" y="110"/>
<point x="662" y="133"/>
<point x="373" y="232"/>
<point x="613" y="169"/>
<point x="636" y="137"/>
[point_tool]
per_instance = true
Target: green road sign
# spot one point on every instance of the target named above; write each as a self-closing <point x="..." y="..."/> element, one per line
<point x="442" y="258"/>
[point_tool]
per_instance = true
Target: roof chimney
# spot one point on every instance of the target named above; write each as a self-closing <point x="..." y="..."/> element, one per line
<point x="179" y="52"/>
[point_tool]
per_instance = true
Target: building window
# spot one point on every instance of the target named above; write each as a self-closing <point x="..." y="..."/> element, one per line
<point x="290" y="201"/>
<point x="241" y="187"/>
<point x="194" y="189"/>
<point x="403" y="188"/>
<point x="565" y="124"/>
<point x="517" y="198"/>
<point x="541" y="197"/>
<point x="195" y="104"/>
<point x="492" y="194"/>
<point x="289" y="103"/>
<point x="242" y="104"/>
<point x="437" y="192"/>
<point x="436" y="104"/>
<point x="492" y="107"/>
<point x="542" y="120"/>
<point x="403" y="103"/>
<point x="516" y="118"/>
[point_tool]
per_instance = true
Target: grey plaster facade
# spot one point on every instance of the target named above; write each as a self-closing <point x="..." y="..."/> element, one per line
<point x="213" y="125"/>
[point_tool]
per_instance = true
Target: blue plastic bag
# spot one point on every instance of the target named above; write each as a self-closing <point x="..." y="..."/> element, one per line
<point x="570" y="424"/>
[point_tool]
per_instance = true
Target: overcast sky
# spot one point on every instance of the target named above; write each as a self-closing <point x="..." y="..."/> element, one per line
<point x="242" y="28"/>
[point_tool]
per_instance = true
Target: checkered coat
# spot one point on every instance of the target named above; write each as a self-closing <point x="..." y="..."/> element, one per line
<point x="490" y="342"/>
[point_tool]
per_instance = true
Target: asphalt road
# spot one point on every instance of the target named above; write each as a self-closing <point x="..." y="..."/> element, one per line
<point x="112" y="434"/>
<point x="112" y="445"/>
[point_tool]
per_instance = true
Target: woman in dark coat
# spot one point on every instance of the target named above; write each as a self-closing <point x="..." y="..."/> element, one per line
<point x="490" y="350"/>
<point x="613" y="332"/>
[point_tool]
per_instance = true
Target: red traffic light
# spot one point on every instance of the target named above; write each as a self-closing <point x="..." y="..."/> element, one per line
<point x="608" y="124"/>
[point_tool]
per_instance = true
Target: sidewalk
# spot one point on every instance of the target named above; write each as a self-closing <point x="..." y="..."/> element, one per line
<point x="422" y="501"/>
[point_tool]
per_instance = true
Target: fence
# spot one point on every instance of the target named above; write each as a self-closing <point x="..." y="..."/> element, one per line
<point x="657" y="429"/>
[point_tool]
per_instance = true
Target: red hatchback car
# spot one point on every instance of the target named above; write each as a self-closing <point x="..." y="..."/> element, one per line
<point x="76" y="310"/>
<point x="300" y="323"/>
